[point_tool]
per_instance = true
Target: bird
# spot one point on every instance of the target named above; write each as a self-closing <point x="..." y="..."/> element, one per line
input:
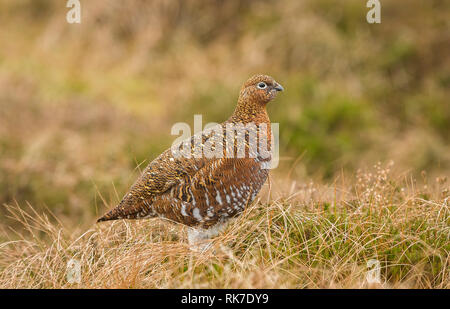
<point x="211" y="177"/>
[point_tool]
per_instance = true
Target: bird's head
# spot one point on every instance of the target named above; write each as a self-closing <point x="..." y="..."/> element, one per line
<point x="259" y="89"/>
<point x="256" y="92"/>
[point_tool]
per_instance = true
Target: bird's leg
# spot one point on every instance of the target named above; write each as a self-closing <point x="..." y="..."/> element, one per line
<point x="200" y="239"/>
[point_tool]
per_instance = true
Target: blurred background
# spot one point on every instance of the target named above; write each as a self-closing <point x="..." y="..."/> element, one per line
<point x="82" y="105"/>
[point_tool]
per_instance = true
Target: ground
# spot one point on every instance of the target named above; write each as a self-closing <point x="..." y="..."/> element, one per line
<point x="293" y="236"/>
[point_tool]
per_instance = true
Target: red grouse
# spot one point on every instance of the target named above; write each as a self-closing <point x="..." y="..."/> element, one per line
<point x="211" y="177"/>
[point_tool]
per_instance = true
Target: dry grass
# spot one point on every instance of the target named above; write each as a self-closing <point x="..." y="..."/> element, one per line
<point x="314" y="237"/>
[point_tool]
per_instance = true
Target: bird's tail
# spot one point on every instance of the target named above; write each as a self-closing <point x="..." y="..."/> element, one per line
<point x="128" y="208"/>
<point x="113" y="214"/>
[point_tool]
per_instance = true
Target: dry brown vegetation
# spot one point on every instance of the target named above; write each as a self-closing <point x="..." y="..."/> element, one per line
<point x="307" y="237"/>
<point x="84" y="107"/>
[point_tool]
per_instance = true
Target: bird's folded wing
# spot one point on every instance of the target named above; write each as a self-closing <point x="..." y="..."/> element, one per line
<point x="159" y="176"/>
<point x="221" y="185"/>
<point x="167" y="171"/>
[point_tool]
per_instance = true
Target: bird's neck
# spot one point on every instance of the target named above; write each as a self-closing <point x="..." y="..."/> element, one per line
<point x="248" y="112"/>
<point x="254" y="114"/>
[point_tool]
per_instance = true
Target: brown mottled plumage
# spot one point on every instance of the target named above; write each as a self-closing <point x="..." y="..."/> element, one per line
<point x="203" y="192"/>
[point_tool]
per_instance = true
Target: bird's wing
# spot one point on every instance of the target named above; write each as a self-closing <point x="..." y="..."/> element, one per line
<point x="159" y="176"/>
<point x="221" y="186"/>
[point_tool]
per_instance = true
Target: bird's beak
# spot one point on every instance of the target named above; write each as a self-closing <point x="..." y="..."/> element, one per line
<point x="278" y="87"/>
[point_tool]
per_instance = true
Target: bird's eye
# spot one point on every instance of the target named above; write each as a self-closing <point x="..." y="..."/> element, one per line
<point x="261" y="85"/>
